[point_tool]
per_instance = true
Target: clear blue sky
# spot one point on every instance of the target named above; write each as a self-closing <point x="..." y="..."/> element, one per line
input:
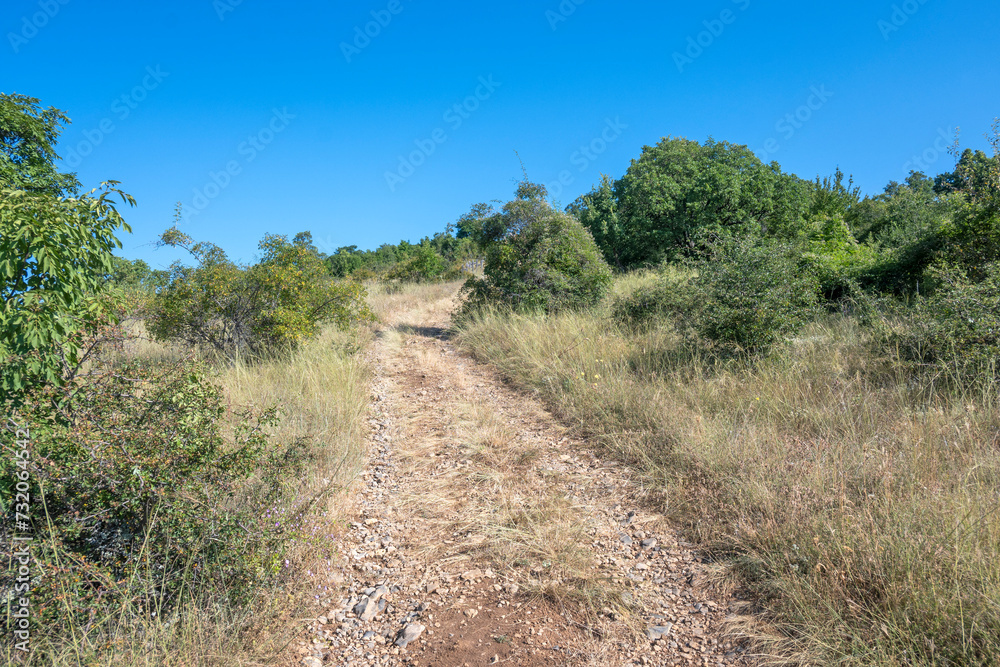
<point x="300" y="131"/>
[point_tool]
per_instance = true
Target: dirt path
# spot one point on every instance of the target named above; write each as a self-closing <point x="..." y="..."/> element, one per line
<point x="483" y="534"/>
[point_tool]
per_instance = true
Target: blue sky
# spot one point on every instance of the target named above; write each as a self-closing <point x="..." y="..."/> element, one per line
<point x="265" y="117"/>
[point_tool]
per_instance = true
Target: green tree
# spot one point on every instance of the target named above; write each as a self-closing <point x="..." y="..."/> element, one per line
<point x="423" y="265"/>
<point x="537" y="258"/>
<point x="255" y="310"/>
<point x="973" y="240"/>
<point x="136" y="275"/>
<point x="598" y="212"/>
<point x="680" y="193"/>
<point x="55" y="250"/>
<point x="345" y="261"/>
<point x="832" y="197"/>
<point x="28" y="136"/>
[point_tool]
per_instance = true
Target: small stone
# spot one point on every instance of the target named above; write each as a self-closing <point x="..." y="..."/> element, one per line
<point x="649" y="543"/>
<point x="408" y="634"/>
<point x="472" y="574"/>
<point x="310" y="661"/>
<point x="658" y="631"/>
<point x="625" y="539"/>
<point x="369" y="607"/>
<point x="471" y="613"/>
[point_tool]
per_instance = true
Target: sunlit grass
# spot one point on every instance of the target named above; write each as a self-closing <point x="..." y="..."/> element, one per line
<point x="859" y="503"/>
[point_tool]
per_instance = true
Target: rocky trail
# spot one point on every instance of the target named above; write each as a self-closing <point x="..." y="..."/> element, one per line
<point x="483" y="533"/>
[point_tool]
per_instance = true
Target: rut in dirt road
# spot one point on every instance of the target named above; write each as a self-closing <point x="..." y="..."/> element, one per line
<point x="484" y="534"/>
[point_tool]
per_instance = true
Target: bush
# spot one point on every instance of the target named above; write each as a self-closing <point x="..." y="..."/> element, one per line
<point x="273" y="305"/>
<point x="136" y="474"/>
<point x="671" y="294"/>
<point x="752" y="295"/>
<point x="423" y="265"/>
<point x="741" y="297"/>
<point x="956" y="329"/>
<point x="537" y="258"/>
<point x="836" y="259"/>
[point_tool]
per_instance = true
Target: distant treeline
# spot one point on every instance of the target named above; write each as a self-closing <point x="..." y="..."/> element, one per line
<point x="680" y="196"/>
<point x="437" y="257"/>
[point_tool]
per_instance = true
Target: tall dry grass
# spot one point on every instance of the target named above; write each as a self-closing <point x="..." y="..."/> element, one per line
<point x="858" y="502"/>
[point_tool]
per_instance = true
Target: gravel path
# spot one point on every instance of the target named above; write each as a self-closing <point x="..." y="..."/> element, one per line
<point x="483" y="533"/>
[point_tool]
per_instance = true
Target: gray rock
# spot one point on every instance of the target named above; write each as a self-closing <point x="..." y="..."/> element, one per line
<point x="649" y="543"/>
<point x="659" y="631"/>
<point x="625" y="539"/>
<point x="410" y="633"/>
<point x="369" y="607"/>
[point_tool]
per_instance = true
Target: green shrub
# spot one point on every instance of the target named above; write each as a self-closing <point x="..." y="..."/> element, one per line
<point x="234" y="310"/>
<point x="835" y="258"/>
<point x="423" y="265"/>
<point x="672" y="294"/>
<point x="740" y="297"/>
<point x="537" y="258"/>
<point x="955" y="330"/>
<point x="752" y="295"/>
<point x="135" y="479"/>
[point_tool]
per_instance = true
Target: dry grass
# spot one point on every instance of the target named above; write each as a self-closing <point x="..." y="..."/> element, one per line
<point x="322" y="391"/>
<point x="388" y="300"/>
<point x="857" y="502"/>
